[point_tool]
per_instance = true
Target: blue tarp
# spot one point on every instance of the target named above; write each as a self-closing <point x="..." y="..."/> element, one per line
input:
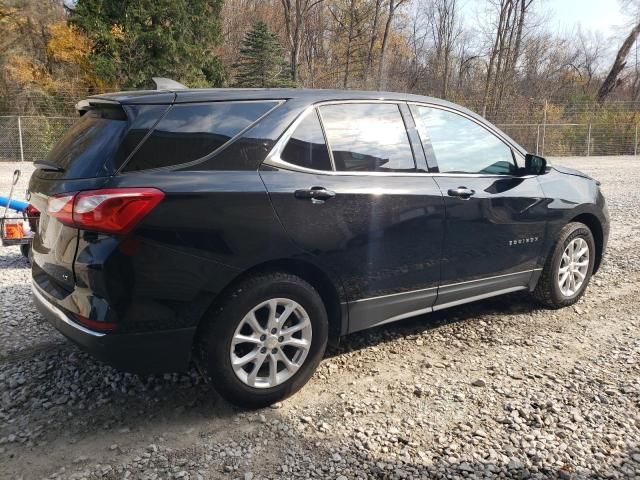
<point x="17" y="205"/>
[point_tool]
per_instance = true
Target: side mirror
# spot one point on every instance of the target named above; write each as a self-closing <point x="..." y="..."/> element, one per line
<point x="534" y="165"/>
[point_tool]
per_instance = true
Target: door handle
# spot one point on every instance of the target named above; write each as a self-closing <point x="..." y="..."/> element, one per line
<point x="461" y="192"/>
<point x="315" y="193"/>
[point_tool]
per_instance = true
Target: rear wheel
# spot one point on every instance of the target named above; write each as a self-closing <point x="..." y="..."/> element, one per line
<point x="568" y="269"/>
<point x="265" y="340"/>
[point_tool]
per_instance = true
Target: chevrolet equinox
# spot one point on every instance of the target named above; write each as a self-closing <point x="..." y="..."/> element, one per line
<point x="245" y="228"/>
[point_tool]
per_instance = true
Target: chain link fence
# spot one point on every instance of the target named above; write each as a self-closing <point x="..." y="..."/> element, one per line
<point x="28" y="138"/>
<point x="575" y="139"/>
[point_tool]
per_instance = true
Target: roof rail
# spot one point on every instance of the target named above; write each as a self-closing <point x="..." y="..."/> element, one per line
<point x="167" y="84"/>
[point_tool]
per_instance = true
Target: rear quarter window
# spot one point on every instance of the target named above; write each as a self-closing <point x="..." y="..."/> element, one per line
<point x="306" y="147"/>
<point x="189" y="132"/>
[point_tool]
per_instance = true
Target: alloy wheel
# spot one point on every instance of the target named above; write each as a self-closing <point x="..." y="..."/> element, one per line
<point x="573" y="267"/>
<point x="271" y="343"/>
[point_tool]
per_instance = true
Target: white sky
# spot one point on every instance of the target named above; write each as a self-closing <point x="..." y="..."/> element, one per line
<point x="605" y="16"/>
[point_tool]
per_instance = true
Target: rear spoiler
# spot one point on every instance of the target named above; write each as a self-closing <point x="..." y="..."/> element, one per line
<point x="83" y="107"/>
<point x="167" y="84"/>
<point x="161" y="83"/>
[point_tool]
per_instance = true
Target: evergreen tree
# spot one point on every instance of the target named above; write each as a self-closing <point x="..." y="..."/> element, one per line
<point x="136" y="40"/>
<point x="261" y="62"/>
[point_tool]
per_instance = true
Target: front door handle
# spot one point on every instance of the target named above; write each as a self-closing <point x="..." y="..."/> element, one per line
<point x="315" y="193"/>
<point x="461" y="192"/>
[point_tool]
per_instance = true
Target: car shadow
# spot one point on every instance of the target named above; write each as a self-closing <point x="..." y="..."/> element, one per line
<point x="52" y="382"/>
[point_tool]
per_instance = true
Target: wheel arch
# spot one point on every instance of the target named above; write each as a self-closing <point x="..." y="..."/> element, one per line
<point x="309" y="272"/>
<point x="593" y="223"/>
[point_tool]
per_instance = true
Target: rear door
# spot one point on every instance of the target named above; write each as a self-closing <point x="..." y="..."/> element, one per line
<point x="495" y="217"/>
<point x="358" y="202"/>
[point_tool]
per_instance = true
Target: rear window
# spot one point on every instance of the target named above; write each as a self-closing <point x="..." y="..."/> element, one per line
<point x="189" y="132"/>
<point x="83" y="150"/>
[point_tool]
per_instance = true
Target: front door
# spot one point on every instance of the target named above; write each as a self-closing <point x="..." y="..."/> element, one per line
<point x="361" y="208"/>
<point x="495" y="217"/>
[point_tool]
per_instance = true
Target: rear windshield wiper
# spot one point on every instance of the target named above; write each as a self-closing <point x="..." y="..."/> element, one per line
<point x="49" y="166"/>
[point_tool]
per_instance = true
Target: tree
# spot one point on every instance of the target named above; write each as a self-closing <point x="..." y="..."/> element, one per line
<point x="445" y="30"/>
<point x="351" y="19"/>
<point x="295" y="15"/>
<point x="261" y="62"/>
<point x="620" y="61"/>
<point x="43" y="60"/>
<point x="393" y="7"/>
<point x="373" y="40"/>
<point x="134" y="41"/>
<point x="505" y="53"/>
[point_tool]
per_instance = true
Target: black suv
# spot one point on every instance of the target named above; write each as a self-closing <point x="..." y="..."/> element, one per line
<point x="245" y="228"/>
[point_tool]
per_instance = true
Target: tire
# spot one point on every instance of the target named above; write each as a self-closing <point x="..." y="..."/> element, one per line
<point x="548" y="291"/>
<point x="231" y="317"/>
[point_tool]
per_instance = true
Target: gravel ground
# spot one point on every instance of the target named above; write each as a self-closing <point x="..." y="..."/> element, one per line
<point x="494" y="389"/>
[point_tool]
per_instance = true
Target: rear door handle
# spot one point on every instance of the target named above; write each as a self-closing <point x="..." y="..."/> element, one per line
<point x="315" y="193"/>
<point x="461" y="192"/>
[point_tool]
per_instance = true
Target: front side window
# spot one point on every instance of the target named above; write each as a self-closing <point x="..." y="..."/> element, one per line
<point x="306" y="147"/>
<point x="461" y="145"/>
<point x="367" y="137"/>
<point x="191" y="131"/>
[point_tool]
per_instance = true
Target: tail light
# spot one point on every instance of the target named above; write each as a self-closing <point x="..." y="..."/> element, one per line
<point x="110" y="210"/>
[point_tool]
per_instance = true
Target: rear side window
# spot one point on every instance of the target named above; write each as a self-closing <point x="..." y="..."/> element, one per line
<point x="306" y="147"/>
<point x="191" y="131"/>
<point x="93" y="140"/>
<point x="461" y="145"/>
<point x="368" y="137"/>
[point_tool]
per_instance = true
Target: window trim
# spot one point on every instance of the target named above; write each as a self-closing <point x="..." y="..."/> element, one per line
<point x="277" y="103"/>
<point x="327" y="144"/>
<point x="273" y="158"/>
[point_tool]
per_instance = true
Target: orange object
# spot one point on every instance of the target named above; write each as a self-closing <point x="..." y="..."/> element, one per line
<point x="13" y="230"/>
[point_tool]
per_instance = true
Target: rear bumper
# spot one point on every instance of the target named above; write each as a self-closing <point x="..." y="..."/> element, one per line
<point x="154" y="352"/>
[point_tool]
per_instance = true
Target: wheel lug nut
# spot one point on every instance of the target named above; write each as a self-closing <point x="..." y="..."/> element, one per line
<point x="273" y="330"/>
<point x="263" y="338"/>
<point x="280" y="339"/>
<point x="274" y="351"/>
<point x="263" y="349"/>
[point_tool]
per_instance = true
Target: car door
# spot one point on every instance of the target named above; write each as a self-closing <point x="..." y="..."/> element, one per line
<point x="358" y="203"/>
<point x="495" y="220"/>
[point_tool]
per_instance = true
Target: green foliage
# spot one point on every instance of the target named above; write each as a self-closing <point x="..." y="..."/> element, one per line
<point x="136" y="40"/>
<point x="262" y="62"/>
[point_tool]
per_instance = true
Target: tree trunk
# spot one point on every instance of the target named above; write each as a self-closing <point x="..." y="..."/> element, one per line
<point x="372" y="43"/>
<point x="385" y="37"/>
<point x="618" y="65"/>
<point x="294" y="18"/>
<point x="492" y="57"/>
<point x="345" y="81"/>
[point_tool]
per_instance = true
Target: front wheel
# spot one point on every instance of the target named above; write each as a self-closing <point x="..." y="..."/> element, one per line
<point x="568" y="268"/>
<point x="265" y="340"/>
